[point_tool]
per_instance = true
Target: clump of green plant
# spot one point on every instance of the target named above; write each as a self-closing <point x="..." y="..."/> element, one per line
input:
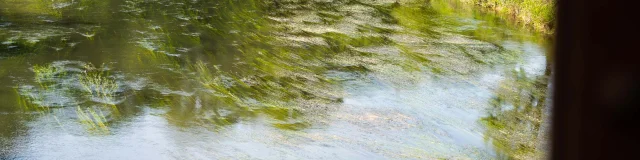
<point x="26" y="102"/>
<point x="98" y="84"/>
<point x="219" y="83"/>
<point x="44" y="76"/>
<point x="44" y="72"/>
<point x="92" y="119"/>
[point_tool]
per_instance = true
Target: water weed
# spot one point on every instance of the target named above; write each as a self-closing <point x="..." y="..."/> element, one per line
<point x="92" y="119"/>
<point x="98" y="84"/>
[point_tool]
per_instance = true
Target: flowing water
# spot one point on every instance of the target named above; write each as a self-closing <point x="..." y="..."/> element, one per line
<point x="272" y="79"/>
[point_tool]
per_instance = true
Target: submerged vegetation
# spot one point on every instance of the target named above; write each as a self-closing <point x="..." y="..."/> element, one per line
<point x="67" y="84"/>
<point x="97" y="84"/>
<point x="44" y="73"/>
<point x="93" y="120"/>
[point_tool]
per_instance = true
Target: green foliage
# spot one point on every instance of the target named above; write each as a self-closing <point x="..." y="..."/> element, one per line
<point x="56" y="89"/>
<point x="44" y="73"/>
<point x="92" y="119"/>
<point x="98" y="84"/>
<point x="515" y="119"/>
<point x="540" y="14"/>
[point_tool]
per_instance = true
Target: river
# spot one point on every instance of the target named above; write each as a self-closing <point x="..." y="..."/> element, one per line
<point x="272" y="79"/>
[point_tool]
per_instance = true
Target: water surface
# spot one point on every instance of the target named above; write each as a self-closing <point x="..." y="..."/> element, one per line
<point x="273" y="79"/>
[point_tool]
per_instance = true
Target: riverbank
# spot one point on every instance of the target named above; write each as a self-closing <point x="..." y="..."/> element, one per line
<point x="537" y="14"/>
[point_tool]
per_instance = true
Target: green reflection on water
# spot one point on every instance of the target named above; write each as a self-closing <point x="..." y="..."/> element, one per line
<point x="515" y="121"/>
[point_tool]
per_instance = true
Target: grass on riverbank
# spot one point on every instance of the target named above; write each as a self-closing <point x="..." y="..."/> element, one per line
<point x="539" y="14"/>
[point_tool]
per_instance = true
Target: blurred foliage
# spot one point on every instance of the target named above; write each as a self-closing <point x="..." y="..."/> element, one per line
<point x="514" y="124"/>
<point x="68" y="83"/>
<point x="539" y="14"/>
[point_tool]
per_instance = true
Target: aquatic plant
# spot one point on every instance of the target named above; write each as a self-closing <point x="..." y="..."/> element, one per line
<point x="44" y="72"/>
<point x="92" y="119"/>
<point x="26" y="102"/>
<point x="47" y="92"/>
<point x="218" y="83"/>
<point x="98" y="84"/>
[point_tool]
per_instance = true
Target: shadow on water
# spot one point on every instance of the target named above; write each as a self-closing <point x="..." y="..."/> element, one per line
<point x="82" y="68"/>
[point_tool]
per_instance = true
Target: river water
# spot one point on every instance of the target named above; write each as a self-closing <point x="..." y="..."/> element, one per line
<point x="272" y="79"/>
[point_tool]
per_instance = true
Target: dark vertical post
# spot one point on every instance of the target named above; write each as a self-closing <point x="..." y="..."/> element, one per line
<point x="597" y="83"/>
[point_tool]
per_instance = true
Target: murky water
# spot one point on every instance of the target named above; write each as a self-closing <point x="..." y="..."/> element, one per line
<point x="273" y="79"/>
